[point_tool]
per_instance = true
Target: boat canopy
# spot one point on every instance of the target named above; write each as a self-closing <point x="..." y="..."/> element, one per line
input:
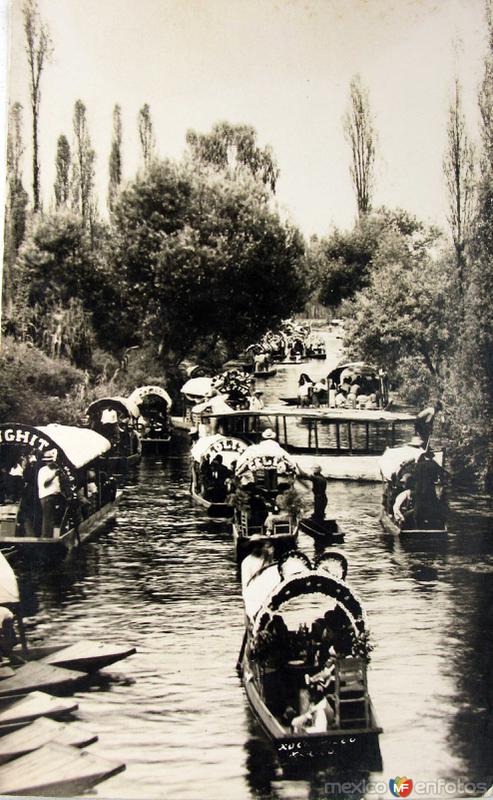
<point x="9" y="589"/>
<point x="73" y="447"/>
<point x="140" y="394"/>
<point x="357" y="367"/>
<point x="123" y="405"/>
<point x="197" y="387"/>
<point x="228" y="447"/>
<point x="307" y="592"/>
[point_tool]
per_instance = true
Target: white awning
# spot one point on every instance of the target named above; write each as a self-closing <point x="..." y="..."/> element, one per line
<point x="197" y="387"/>
<point x="80" y="445"/>
<point x="9" y="590"/>
<point x="142" y="392"/>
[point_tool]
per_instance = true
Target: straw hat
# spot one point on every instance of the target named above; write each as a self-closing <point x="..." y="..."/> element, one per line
<point x="50" y="455"/>
<point x="416" y="441"/>
<point x="268" y="434"/>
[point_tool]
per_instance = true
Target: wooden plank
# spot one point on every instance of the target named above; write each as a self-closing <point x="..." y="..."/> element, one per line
<point x="34" y="705"/>
<point x="88" y="655"/>
<point x="39" y="733"/>
<point x="36" y="676"/>
<point x="55" y="771"/>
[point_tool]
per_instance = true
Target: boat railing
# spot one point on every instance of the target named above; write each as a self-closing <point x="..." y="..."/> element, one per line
<point x="247" y="528"/>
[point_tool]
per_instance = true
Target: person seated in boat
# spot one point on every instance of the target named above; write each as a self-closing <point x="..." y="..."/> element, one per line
<point x="403" y="507"/>
<point x="305" y="387"/>
<point x="279" y="514"/>
<point x="50" y="493"/>
<point x="429" y="510"/>
<point x="16" y="479"/>
<point x="351" y="400"/>
<point x="320" y="393"/>
<point x="8" y="639"/>
<point x="255" y="402"/>
<point x="108" y="426"/>
<point x="205" y="472"/>
<point x="319" y="718"/>
<point x="219" y="475"/>
<point x="340" y="399"/>
<point x="346" y="382"/>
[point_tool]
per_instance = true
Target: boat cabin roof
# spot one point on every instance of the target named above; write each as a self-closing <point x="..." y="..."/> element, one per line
<point x="78" y="446"/>
<point x="124" y="405"/>
<point x="140" y="394"/>
<point x="324" y="414"/>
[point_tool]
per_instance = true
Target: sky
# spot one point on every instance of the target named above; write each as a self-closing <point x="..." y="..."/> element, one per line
<point x="283" y="66"/>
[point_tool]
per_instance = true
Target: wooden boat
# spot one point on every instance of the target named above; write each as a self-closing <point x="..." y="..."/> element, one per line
<point x="403" y="460"/>
<point x="374" y="378"/>
<point x="154" y="405"/>
<point x="79" y="454"/>
<point x="326" y="531"/>
<point x="346" y="443"/>
<point x="390" y="526"/>
<point x="85" y="656"/>
<point x="246" y="532"/>
<point x="265" y="373"/>
<point x="56" y="770"/>
<point x="126" y="445"/>
<point x="208" y="447"/>
<point x="39" y="677"/>
<point x="41" y="732"/>
<point x="17" y="712"/>
<point x="304" y="660"/>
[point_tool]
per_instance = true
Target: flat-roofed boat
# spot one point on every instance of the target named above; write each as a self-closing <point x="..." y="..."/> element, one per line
<point x="88" y="495"/>
<point x="16" y="712"/>
<point x="85" y="656"/>
<point x="153" y="424"/>
<point x="346" y="443"/>
<point x="116" y="418"/>
<point x="304" y="660"/>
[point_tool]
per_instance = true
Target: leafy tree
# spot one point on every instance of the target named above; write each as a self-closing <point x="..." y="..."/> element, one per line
<point x="38" y="49"/>
<point x="200" y="261"/>
<point x="360" y="133"/>
<point x="458" y="167"/>
<point x="341" y="264"/>
<point x="83" y="200"/>
<point x="399" y="319"/>
<point x="146" y="135"/>
<point x="234" y="148"/>
<point x="115" y="162"/>
<point x="62" y="165"/>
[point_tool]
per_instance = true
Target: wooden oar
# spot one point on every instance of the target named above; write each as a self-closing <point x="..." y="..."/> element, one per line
<point x="241" y="653"/>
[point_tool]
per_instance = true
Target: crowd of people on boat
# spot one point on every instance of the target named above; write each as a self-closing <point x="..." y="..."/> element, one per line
<point x="42" y="498"/>
<point x="350" y="389"/>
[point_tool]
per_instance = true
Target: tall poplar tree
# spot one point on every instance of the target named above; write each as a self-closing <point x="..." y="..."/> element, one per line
<point x="360" y="133"/>
<point x="458" y="166"/>
<point x="16" y="198"/>
<point x="115" y="162"/>
<point x="146" y="135"/>
<point x="38" y="50"/>
<point x="62" y="166"/>
<point x="83" y="158"/>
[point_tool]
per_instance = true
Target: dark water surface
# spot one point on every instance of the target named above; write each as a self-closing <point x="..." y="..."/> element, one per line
<point x="164" y="579"/>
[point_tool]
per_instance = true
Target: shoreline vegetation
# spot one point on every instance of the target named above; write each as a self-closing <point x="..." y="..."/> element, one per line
<point x="193" y="263"/>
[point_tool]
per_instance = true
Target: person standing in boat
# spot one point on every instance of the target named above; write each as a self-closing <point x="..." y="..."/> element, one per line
<point x="319" y="489"/>
<point x="423" y="425"/>
<point x="50" y="494"/>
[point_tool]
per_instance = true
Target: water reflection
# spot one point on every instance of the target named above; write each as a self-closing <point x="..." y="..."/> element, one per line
<point x="165" y="579"/>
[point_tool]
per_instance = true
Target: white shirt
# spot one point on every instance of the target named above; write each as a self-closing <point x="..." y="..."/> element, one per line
<point x="45" y="474"/>
<point x="401" y="498"/>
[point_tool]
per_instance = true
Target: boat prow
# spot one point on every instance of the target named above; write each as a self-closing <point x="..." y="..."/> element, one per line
<point x="390" y="526"/>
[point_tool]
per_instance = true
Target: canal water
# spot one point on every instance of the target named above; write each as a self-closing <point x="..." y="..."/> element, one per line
<point x="165" y="580"/>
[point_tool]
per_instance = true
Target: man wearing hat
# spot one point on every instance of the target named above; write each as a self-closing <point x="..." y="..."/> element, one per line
<point x="50" y="493"/>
